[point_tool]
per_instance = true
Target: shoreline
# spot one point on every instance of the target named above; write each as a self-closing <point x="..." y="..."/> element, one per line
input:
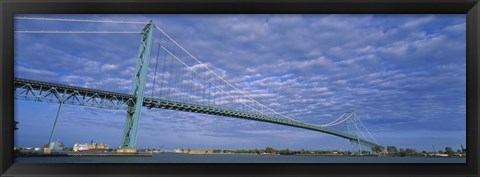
<point x="151" y="154"/>
<point x="87" y="155"/>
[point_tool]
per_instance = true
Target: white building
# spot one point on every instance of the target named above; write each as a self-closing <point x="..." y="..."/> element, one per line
<point x="56" y="145"/>
<point x="80" y="147"/>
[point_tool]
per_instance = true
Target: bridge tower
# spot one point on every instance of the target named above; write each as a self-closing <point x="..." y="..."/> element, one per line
<point x="353" y="129"/>
<point x="138" y="90"/>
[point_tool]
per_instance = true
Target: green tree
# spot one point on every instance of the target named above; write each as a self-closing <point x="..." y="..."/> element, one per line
<point x="411" y="152"/>
<point x="377" y="148"/>
<point x="285" y="152"/>
<point x="402" y="153"/>
<point x="449" y="151"/>
<point x="392" y="149"/>
<point x="270" y="150"/>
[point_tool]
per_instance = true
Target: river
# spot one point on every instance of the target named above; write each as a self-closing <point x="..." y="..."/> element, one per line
<point x="239" y="158"/>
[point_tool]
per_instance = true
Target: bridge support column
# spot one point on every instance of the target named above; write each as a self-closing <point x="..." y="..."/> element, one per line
<point x="54" y="125"/>
<point x="138" y="90"/>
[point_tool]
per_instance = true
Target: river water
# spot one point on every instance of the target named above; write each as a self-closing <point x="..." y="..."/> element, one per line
<point x="239" y="158"/>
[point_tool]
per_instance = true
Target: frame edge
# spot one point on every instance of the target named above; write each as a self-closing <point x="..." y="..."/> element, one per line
<point x="473" y="100"/>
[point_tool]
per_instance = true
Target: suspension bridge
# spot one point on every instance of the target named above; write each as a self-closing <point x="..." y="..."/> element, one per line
<point x="181" y="82"/>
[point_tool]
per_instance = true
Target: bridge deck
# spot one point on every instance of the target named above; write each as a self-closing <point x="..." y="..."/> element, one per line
<point x="20" y="82"/>
<point x="189" y="107"/>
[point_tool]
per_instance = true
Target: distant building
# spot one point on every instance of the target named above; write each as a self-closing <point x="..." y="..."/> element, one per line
<point x="56" y="145"/>
<point x="92" y="146"/>
<point x="80" y="147"/>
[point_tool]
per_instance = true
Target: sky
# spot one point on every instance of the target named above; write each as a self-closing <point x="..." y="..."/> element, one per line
<point x="403" y="75"/>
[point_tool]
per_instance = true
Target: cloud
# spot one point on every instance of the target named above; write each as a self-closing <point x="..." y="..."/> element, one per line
<point x="20" y="71"/>
<point x="107" y="67"/>
<point x="457" y="28"/>
<point x="417" y="22"/>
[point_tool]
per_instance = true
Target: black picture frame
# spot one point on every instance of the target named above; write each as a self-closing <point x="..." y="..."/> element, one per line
<point x="471" y="8"/>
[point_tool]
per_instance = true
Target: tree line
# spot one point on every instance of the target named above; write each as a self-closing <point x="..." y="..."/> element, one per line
<point x="394" y="151"/>
<point x="271" y="150"/>
<point x="376" y="150"/>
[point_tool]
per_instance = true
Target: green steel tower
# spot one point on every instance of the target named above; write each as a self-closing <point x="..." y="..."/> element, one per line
<point x="138" y="90"/>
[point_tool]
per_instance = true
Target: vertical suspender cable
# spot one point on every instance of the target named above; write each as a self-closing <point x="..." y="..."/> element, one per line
<point x="203" y="89"/>
<point x="190" y="81"/>
<point x="180" y="78"/>
<point x="183" y="89"/>
<point x="172" y="70"/>
<point x="163" y="71"/>
<point x="213" y="92"/>
<point x="155" y="74"/>
<point x="209" y="96"/>
<point x="191" y="95"/>
<point x="176" y="82"/>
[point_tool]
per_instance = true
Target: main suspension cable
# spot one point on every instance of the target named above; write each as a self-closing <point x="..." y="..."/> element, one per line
<point x="78" y="32"/>
<point x="333" y="121"/>
<point x="74" y="20"/>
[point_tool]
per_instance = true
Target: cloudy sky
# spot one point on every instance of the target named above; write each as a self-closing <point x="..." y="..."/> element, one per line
<point x="404" y="76"/>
